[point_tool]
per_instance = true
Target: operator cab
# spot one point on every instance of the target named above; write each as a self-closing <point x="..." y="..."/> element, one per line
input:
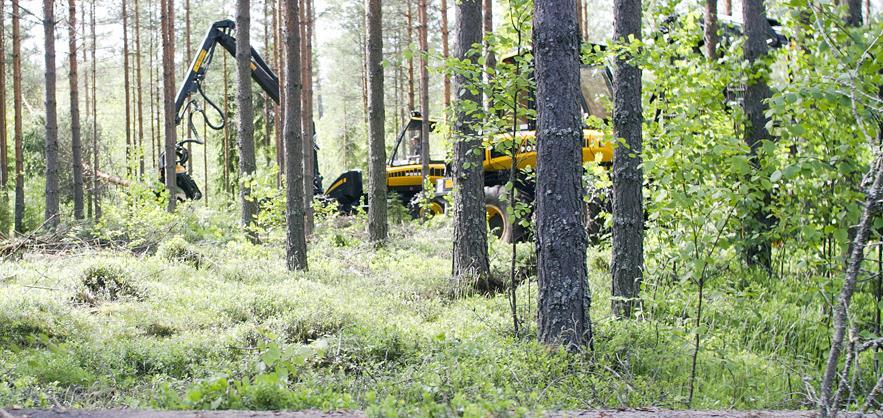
<point x="407" y="150"/>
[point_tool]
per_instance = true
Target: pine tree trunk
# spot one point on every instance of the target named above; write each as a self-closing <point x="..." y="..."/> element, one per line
<point x="4" y="146"/>
<point x="278" y="56"/>
<point x="268" y="103"/>
<point x="168" y="20"/>
<point x="628" y="213"/>
<point x="563" y="314"/>
<point x="4" y="154"/>
<point x="711" y="29"/>
<point x="151" y="86"/>
<point x="76" y="143"/>
<point x="51" y="131"/>
<point x="296" y="247"/>
<point x="139" y="97"/>
<point x="410" y="38"/>
<point x="17" y="104"/>
<point x="756" y="27"/>
<point x="226" y="145"/>
<point x="728" y="7"/>
<point x="96" y="195"/>
<point x="246" y="113"/>
<point x="490" y="60"/>
<point x="377" y="222"/>
<point x="307" y="115"/>
<point x="127" y="86"/>
<point x="470" y="225"/>
<point x="424" y="89"/>
<point x="854" y="13"/>
<point x="446" y="99"/>
<point x="88" y="102"/>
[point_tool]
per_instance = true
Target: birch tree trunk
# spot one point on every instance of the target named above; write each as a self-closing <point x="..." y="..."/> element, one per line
<point x="563" y="314"/>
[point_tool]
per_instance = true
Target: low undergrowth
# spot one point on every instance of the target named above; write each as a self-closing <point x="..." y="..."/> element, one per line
<point x="206" y="322"/>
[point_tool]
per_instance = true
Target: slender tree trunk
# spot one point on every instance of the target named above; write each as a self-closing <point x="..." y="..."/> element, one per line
<point x="17" y="105"/>
<point x="76" y="143"/>
<point x="279" y="58"/>
<point x="410" y="38"/>
<point x="151" y="86"/>
<point x="226" y="161"/>
<point x="490" y="59"/>
<point x="168" y="20"/>
<point x="246" y="113"/>
<point x="96" y="195"/>
<point x="424" y="88"/>
<point x="88" y="102"/>
<point x="628" y="198"/>
<point x="317" y="91"/>
<point x="446" y="99"/>
<point x="127" y="85"/>
<point x="563" y="314"/>
<point x="4" y="152"/>
<point x="470" y="225"/>
<point x="139" y="97"/>
<point x="870" y="211"/>
<point x="296" y="247"/>
<point x="377" y="222"/>
<point x="51" y="131"/>
<point x="758" y="251"/>
<point x="188" y="48"/>
<point x="268" y="103"/>
<point x="728" y="7"/>
<point x="711" y="29"/>
<point x="308" y="128"/>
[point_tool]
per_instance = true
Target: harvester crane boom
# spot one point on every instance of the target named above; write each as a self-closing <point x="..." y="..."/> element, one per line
<point x="221" y="32"/>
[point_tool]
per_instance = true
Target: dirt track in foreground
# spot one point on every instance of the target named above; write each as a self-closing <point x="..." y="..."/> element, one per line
<point x="626" y="413"/>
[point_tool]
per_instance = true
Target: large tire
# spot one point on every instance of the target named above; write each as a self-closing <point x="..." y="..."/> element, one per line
<point x="498" y="220"/>
<point x="437" y="206"/>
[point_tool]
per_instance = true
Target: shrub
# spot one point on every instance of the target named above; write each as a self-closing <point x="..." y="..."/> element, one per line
<point x="177" y="250"/>
<point x="101" y="282"/>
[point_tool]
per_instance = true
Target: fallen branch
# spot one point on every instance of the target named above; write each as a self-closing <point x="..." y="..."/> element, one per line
<point x="105" y="177"/>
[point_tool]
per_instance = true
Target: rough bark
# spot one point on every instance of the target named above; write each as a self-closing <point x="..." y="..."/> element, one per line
<point x="139" y="97"/>
<point x="76" y="144"/>
<point x="87" y="155"/>
<point x="96" y="196"/>
<point x="377" y="222"/>
<point x="226" y="145"/>
<point x="470" y="222"/>
<point x="490" y="59"/>
<point x="51" y="128"/>
<point x="628" y="214"/>
<point x="711" y="29"/>
<point x="17" y="105"/>
<point x="296" y="247"/>
<point x="188" y="49"/>
<point x="168" y="21"/>
<point x="307" y="113"/>
<point x="127" y="86"/>
<point x="854" y="13"/>
<point x="424" y="89"/>
<point x="410" y="38"/>
<point x="853" y="268"/>
<point x="446" y="82"/>
<point x="756" y="27"/>
<point x="245" y="134"/>
<point x="4" y="154"/>
<point x="563" y="314"/>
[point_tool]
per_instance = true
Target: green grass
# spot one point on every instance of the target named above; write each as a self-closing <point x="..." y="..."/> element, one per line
<point x="219" y="323"/>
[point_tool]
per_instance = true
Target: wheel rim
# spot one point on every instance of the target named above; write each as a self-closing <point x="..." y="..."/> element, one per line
<point x="496" y="223"/>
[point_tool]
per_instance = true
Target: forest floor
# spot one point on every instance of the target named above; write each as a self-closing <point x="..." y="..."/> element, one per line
<point x="204" y="321"/>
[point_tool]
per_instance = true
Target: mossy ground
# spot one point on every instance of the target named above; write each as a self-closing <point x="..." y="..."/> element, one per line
<point x="379" y="329"/>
